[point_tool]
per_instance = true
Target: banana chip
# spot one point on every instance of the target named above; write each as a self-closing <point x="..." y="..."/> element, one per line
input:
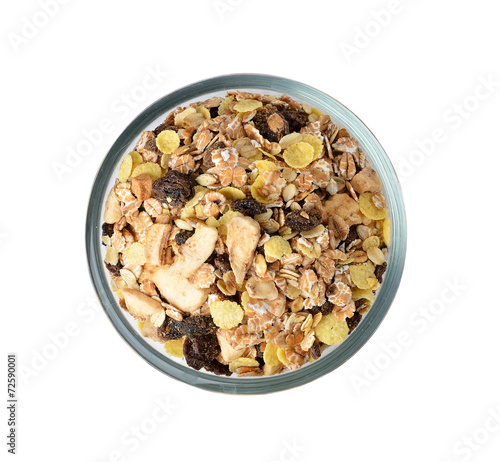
<point x="363" y="275"/>
<point x="168" y="141"/>
<point x="152" y="169"/>
<point x="368" y="209"/>
<point x="299" y="155"/>
<point x="330" y="330"/>
<point x="231" y="193"/>
<point x="175" y="348"/>
<point x="245" y="362"/>
<point x="247" y="105"/>
<point x="226" y="314"/>
<point x="277" y="247"/>
<point x="316" y="143"/>
<point x="271" y="355"/>
<point x="125" y="169"/>
<point x="136" y="254"/>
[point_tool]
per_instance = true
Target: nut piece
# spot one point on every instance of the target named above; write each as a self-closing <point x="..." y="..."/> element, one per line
<point x="156" y="244"/>
<point x="243" y="234"/>
<point x="112" y="209"/>
<point x="139" y="305"/>
<point x="345" y="207"/>
<point x="265" y="290"/>
<point x="366" y="181"/>
<point x="142" y="186"/>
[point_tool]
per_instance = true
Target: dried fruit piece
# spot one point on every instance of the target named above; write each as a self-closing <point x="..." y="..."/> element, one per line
<point x="248" y="207"/>
<point x="368" y="209"/>
<point x="139" y="305"/>
<point x="112" y="208"/>
<point x="301" y="220"/>
<point x="296" y="119"/>
<point x="277" y="248"/>
<point x="168" y="141"/>
<point x="242" y="362"/>
<point x="353" y="321"/>
<point x="226" y="314"/>
<point x="299" y="155"/>
<point x="125" y="169"/>
<point x="150" y="168"/>
<point x="174" y="188"/>
<point x="330" y="330"/>
<point x="247" y="105"/>
<point x="232" y="193"/>
<point x="175" y="348"/>
<point x="136" y="254"/>
<point x="142" y="187"/>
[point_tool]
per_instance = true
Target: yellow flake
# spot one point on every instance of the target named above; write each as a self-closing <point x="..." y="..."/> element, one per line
<point x="265" y="165"/>
<point x="245" y="362"/>
<point x="203" y="110"/>
<point x="358" y="294"/>
<point x="277" y="247"/>
<point x="299" y="155"/>
<point x="136" y="159"/>
<point x="225" y="219"/>
<point x="224" y="106"/>
<point x="168" y="141"/>
<point x="372" y="241"/>
<point x="330" y="330"/>
<point x="125" y="169"/>
<point x="271" y="355"/>
<point x="363" y="275"/>
<point x="136" y="254"/>
<point x="140" y="324"/>
<point x="368" y="209"/>
<point x="316" y="143"/>
<point x="175" y="348"/>
<point x="386" y="231"/>
<point x="231" y="193"/>
<point x="151" y="168"/>
<point x="281" y="356"/>
<point x="226" y="314"/>
<point x="247" y="105"/>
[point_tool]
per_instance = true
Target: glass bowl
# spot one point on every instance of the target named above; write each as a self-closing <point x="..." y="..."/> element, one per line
<point x="151" y="351"/>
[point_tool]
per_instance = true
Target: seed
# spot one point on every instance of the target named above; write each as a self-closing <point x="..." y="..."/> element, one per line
<point x="206" y="180"/>
<point x="289" y="192"/>
<point x="375" y="255"/>
<point x="183" y="225"/>
<point x="314" y="232"/>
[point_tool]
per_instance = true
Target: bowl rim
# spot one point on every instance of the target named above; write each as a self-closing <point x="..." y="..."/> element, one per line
<point x="397" y="250"/>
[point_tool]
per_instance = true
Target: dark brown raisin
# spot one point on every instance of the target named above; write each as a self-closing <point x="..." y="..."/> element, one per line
<point x="201" y="351"/>
<point x="182" y="237"/>
<point x="353" y="321"/>
<point x="218" y="368"/>
<point x="271" y="124"/>
<point x="296" y="119"/>
<point x="114" y="269"/>
<point x="300" y="220"/>
<point x="107" y="229"/>
<point x="248" y="207"/>
<point x="214" y="112"/>
<point x="175" y="186"/>
<point x="315" y="350"/>
<point x="222" y="263"/>
<point x="353" y="235"/>
<point x="326" y="308"/>
<point x="379" y="271"/>
<point x="207" y="156"/>
<point x="162" y="127"/>
<point x="170" y="329"/>
<point x="194" y="326"/>
<point x="193" y="358"/>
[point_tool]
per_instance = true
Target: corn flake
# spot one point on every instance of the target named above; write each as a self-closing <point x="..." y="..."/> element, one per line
<point x="358" y="294"/>
<point x="168" y="141"/>
<point x="271" y="355"/>
<point x="242" y="362"/>
<point x="225" y="219"/>
<point x="125" y="168"/>
<point x="136" y="254"/>
<point x="281" y="354"/>
<point x="231" y="193"/>
<point x="363" y="275"/>
<point x="224" y="106"/>
<point x="386" y="231"/>
<point x="316" y="143"/>
<point x="136" y="159"/>
<point x="203" y="110"/>
<point x="150" y="168"/>
<point x="368" y="209"/>
<point x="330" y="330"/>
<point x="175" y="348"/>
<point x="226" y="314"/>
<point x="277" y="247"/>
<point x="299" y="155"/>
<point x="372" y="241"/>
<point x="247" y="105"/>
<point x="265" y="165"/>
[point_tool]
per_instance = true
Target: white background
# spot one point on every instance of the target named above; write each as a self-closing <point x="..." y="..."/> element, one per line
<point x="405" y="81"/>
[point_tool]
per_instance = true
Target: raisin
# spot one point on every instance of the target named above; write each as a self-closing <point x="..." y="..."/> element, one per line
<point x="353" y="321"/>
<point x="218" y="368"/>
<point x="296" y="119"/>
<point x="271" y="124"/>
<point x="326" y="308"/>
<point x="114" y="269"/>
<point x="300" y="220"/>
<point x="193" y="359"/>
<point x="214" y="112"/>
<point x="315" y="350"/>
<point x="207" y="157"/>
<point x="222" y="263"/>
<point x="162" y="127"/>
<point x="201" y="351"/>
<point x="353" y="235"/>
<point x="107" y="229"/>
<point x="248" y="207"/>
<point x="175" y="186"/>
<point x="183" y="236"/>
<point x="170" y="330"/>
<point x="193" y="326"/>
<point x="379" y="271"/>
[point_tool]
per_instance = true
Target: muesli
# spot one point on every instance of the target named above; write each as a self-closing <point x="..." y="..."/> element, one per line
<point x="247" y="234"/>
